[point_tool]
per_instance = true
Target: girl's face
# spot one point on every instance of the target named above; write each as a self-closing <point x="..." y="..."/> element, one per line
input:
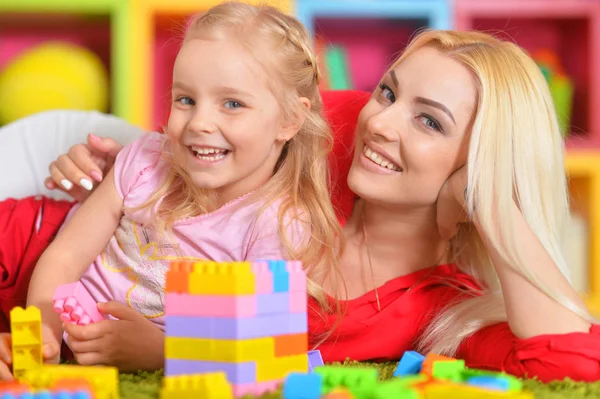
<point x="413" y="133"/>
<point x="226" y="126"/>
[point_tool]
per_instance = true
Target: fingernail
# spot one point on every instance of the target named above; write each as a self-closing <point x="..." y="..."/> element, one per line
<point x="85" y="183"/>
<point x="96" y="175"/>
<point x="49" y="185"/>
<point x="66" y="184"/>
<point x="94" y="137"/>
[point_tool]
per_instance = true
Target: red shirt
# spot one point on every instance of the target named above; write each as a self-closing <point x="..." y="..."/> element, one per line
<point x="364" y="333"/>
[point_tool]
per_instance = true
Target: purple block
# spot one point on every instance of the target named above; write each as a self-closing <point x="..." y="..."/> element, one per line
<point x="277" y="302"/>
<point x="237" y="373"/>
<point x="236" y="328"/>
<point x="314" y="360"/>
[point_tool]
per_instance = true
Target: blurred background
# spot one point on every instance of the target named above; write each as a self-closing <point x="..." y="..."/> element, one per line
<point x="116" y="56"/>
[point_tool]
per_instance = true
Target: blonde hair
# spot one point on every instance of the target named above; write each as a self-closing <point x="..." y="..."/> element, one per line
<point x="281" y="45"/>
<point x="515" y="152"/>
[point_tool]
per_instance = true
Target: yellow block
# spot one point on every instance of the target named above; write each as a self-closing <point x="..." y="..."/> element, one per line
<point x="278" y="368"/>
<point x="220" y="350"/>
<point x="227" y="278"/>
<point x="104" y="380"/>
<point x="26" y="329"/>
<point x="205" y="386"/>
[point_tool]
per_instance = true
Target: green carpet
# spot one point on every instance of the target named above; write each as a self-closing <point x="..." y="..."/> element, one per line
<point x="147" y="385"/>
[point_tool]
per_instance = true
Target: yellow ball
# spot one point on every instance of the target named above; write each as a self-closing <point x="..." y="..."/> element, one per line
<point x="53" y="75"/>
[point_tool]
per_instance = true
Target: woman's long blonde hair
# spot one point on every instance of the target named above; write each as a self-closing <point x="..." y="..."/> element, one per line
<point x="281" y="44"/>
<point x="516" y="152"/>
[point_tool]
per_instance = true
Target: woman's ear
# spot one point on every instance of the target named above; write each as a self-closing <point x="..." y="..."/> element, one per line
<point x="292" y="127"/>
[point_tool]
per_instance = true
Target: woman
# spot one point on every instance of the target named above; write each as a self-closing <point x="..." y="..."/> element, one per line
<point x="449" y="132"/>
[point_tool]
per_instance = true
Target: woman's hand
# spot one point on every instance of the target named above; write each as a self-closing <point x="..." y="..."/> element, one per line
<point x="451" y="204"/>
<point x="85" y="164"/>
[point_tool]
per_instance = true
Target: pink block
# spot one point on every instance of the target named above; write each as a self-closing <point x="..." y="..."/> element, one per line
<point x="254" y="388"/>
<point x="75" y="304"/>
<point x="210" y="305"/>
<point x="263" y="278"/>
<point x="298" y="302"/>
<point x="297" y="276"/>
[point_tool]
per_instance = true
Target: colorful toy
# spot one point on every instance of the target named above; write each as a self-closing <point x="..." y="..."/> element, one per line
<point x="247" y="320"/>
<point x="26" y="328"/>
<point x="53" y="75"/>
<point x="561" y="86"/>
<point x="205" y="386"/>
<point x="314" y="360"/>
<point x="75" y="304"/>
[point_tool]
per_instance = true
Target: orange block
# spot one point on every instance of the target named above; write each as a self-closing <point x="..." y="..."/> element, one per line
<point x="291" y="344"/>
<point x="177" y="278"/>
<point x="428" y="362"/>
<point x="14" y="387"/>
<point x="73" y="385"/>
<point x="339" y="394"/>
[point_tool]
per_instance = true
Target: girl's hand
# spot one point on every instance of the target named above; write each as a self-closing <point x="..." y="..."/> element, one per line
<point x="451" y="204"/>
<point x="85" y="164"/>
<point x="50" y="352"/>
<point x="131" y="343"/>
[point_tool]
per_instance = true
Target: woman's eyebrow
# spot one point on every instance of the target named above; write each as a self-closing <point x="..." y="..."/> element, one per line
<point x="435" y="104"/>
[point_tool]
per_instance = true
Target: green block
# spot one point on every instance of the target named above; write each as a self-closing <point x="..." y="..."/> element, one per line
<point x="360" y="381"/>
<point x="394" y="389"/>
<point x="449" y="370"/>
<point x="561" y="89"/>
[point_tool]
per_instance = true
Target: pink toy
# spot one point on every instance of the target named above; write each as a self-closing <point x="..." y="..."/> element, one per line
<point x="76" y="305"/>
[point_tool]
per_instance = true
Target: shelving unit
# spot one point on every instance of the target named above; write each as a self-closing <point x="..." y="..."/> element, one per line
<point x="99" y="25"/>
<point x="371" y="30"/>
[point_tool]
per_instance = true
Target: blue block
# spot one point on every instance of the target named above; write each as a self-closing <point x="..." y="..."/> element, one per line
<point x="410" y="363"/>
<point x="302" y="386"/>
<point x="281" y="277"/>
<point x="489" y="382"/>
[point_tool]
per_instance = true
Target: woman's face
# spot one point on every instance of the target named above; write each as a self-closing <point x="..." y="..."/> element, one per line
<point x="413" y="133"/>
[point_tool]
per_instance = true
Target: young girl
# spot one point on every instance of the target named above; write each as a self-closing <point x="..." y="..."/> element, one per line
<point x="239" y="175"/>
<point x="450" y="130"/>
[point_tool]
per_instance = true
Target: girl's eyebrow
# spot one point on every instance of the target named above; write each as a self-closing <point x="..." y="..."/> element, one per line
<point x="180" y="85"/>
<point x="233" y="90"/>
<point x="394" y="78"/>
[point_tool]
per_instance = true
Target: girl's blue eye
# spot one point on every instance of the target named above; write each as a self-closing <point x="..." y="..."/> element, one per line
<point x="387" y="93"/>
<point x="185" y="101"/>
<point x="233" y="104"/>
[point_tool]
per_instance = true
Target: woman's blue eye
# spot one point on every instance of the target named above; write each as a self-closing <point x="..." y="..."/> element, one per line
<point x="387" y="93"/>
<point x="233" y="104"/>
<point x="185" y="101"/>
<point x="431" y="123"/>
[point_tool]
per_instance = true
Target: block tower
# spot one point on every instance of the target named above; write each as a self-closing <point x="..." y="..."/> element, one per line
<point x="245" y="319"/>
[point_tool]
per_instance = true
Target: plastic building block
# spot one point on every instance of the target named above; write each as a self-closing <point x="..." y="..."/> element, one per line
<point x="396" y="391"/>
<point x="302" y="386"/>
<point x="281" y="277"/>
<point x="236" y="328"/>
<point x="489" y="382"/>
<point x="254" y="388"/>
<point x="240" y="372"/>
<point x="177" y="277"/>
<point x="514" y="384"/>
<point x="13" y="387"/>
<point x="410" y="363"/>
<point x="360" y="381"/>
<point x="205" y="386"/>
<point x="104" y="380"/>
<point x="297" y="276"/>
<point x="263" y="277"/>
<point x="314" y="359"/>
<point x="291" y="344"/>
<point x="228" y="278"/>
<point x="48" y="395"/>
<point x="448" y="370"/>
<point x="75" y="304"/>
<point x="26" y="328"/>
<point x="427" y="367"/>
<point x="339" y="393"/>
<point x="181" y="304"/>
<point x="445" y="391"/>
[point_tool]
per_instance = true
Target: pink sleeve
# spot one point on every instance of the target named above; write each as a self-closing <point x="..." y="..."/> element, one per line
<point x="136" y="159"/>
<point x="265" y="242"/>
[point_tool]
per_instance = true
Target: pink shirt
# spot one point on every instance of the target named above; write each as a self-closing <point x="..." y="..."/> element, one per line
<point x="132" y="268"/>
